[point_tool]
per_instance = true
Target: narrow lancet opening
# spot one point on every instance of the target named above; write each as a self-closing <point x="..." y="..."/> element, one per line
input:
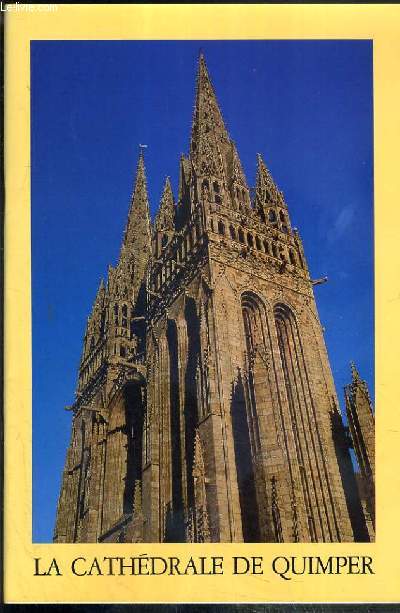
<point x="175" y="532"/>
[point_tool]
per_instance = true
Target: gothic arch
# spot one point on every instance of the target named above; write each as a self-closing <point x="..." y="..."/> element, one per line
<point x="191" y="406"/>
<point x="250" y="394"/>
<point x="175" y="521"/>
<point x="286" y="307"/>
<point x="317" y="496"/>
<point x="124" y="452"/>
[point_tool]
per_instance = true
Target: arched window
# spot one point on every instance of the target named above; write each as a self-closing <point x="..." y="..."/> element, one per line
<point x="217" y="199"/>
<point x="124" y="452"/>
<point x="272" y="215"/>
<point x="300" y="406"/>
<point x="258" y="243"/>
<point x="164" y="240"/>
<point x="241" y="235"/>
<point x="221" y="227"/>
<point x="192" y="395"/>
<point x="250" y="240"/>
<point x="216" y="187"/>
<point x="282" y="216"/>
<point x="275" y="250"/>
<point x="266" y="247"/>
<point x="175" y="528"/>
<point x="232" y="233"/>
<point x="292" y="257"/>
<point x="250" y="396"/>
<point x="116" y="313"/>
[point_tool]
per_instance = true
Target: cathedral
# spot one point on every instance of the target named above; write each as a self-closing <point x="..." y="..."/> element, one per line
<point x="205" y="408"/>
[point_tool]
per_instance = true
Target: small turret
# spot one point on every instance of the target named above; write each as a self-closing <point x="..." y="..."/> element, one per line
<point x="269" y="201"/>
<point x="95" y="327"/>
<point x="240" y="193"/>
<point x="164" y="225"/>
<point x="362" y="429"/>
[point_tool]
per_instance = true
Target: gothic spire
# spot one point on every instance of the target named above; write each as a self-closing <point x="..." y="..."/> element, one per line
<point x="266" y="190"/>
<point x="98" y="301"/>
<point x="209" y="136"/>
<point x="139" y="215"/>
<point x="361" y="422"/>
<point x="237" y="174"/>
<point x="184" y="179"/>
<point x="136" y="245"/>
<point x="269" y="201"/>
<point x="95" y="321"/>
<point x="239" y="190"/>
<point x="166" y="213"/>
<point x="354" y="373"/>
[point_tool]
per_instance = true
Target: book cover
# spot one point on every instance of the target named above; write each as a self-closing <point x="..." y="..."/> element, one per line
<point x="200" y="303"/>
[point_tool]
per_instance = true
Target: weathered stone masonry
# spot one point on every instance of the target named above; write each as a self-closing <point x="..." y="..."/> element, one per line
<point x="205" y="408"/>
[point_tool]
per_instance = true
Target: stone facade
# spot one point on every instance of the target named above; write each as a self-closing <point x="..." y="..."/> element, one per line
<point x="205" y="408"/>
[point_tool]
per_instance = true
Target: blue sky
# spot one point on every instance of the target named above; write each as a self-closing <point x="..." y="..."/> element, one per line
<point x="306" y="106"/>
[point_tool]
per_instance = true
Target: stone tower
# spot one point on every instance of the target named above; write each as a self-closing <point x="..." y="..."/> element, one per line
<point x="205" y="402"/>
<point x="362" y="430"/>
<point x="103" y="464"/>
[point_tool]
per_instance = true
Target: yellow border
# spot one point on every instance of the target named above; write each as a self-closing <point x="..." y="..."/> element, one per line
<point x="378" y="22"/>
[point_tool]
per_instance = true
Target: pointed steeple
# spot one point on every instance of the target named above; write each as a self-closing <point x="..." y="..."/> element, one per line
<point x="166" y="214"/>
<point x="95" y="321"/>
<point x="240" y="193"/>
<point x="266" y="190"/>
<point x="362" y="429"/>
<point x="209" y="137"/>
<point x="269" y="201"/>
<point x="237" y="173"/>
<point x="354" y="373"/>
<point x="136" y="245"/>
<point x="358" y="384"/>
<point x="184" y="180"/>
<point x="98" y="304"/>
<point x="139" y="214"/>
